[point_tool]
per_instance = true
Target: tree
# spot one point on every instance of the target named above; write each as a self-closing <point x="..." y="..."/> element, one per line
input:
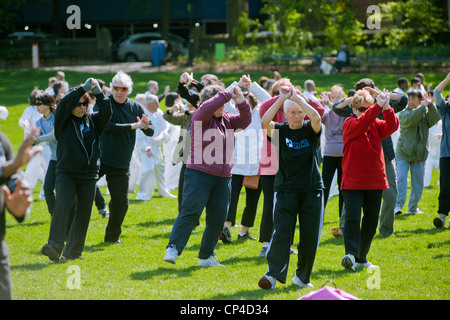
<point x="298" y="24"/>
<point x="410" y="23"/>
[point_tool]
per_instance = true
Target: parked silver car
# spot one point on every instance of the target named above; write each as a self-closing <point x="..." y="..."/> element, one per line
<point x="137" y="47"/>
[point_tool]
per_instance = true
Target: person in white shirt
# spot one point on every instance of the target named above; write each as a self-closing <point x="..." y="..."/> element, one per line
<point x="310" y="90"/>
<point x="150" y="153"/>
<point x="37" y="166"/>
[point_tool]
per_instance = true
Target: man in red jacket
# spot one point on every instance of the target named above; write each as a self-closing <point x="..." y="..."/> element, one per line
<point x="363" y="172"/>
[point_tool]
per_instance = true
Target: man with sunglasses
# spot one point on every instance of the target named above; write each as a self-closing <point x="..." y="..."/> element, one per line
<point x="117" y="144"/>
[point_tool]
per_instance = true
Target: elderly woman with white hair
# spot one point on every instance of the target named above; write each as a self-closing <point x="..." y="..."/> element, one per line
<point x="117" y="144"/>
<point x="298" y="188"/>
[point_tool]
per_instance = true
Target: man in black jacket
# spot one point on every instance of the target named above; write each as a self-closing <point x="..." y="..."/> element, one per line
<point x="117" y="144"/>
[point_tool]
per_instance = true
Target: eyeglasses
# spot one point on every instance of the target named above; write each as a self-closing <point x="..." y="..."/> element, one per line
<point x="123" y="89"/>
<point x="84" y="104"/>
<point x="362" y="109"/>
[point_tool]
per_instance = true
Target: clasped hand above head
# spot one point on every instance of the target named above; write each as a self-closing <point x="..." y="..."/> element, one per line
<point x="236" y="95"/>
<point x="383" y="99"/>
<point x="245" y="82"/>
<point x="186" y="78"/>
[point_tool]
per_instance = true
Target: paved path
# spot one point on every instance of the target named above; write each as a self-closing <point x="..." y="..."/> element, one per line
<point x="114" y="67"/>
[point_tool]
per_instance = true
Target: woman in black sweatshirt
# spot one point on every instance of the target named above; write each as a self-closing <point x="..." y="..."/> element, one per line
<point x="77" y="170"/>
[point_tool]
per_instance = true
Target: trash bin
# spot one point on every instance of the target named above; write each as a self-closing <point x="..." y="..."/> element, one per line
<point x="158" y="52"/>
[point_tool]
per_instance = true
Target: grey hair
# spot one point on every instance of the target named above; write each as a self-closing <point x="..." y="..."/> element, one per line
<point x="125" y="79"/>
<point x="309" y="83"/>
<point x="209" y="91"/>
<point x="150" y="98"/>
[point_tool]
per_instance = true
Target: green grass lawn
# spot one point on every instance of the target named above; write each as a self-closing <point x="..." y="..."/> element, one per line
<point x="413" y="264"/>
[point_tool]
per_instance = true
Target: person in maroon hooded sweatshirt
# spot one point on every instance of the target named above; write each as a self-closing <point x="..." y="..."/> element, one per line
<point x="207" y="179"/>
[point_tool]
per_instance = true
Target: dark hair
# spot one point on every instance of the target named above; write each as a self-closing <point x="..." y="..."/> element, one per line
<point x="402" y="80"/>
<point x="251" y="98"/>
<point x="415" y="80"/>
<point x="32" y="97"/>
<point x="46" y="99"/>
<point x="170" y="98"/>
<point x="415" y="92"/>
<point x="351" y="92"/>
<point x="364" y="82"/>
<point x="56" y="86"/>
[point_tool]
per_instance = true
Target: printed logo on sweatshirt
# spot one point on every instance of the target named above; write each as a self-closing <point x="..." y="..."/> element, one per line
<point x="297" y="145"/>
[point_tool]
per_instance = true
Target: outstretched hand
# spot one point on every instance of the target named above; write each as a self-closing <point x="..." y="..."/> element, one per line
<point x="18" y="201"/>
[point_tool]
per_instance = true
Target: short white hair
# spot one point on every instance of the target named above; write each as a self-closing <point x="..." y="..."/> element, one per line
<point x="309" y="83"/>
<point x="289" y="104"/>
<point x="125" y="79"/>
<point x="140" y="97"/>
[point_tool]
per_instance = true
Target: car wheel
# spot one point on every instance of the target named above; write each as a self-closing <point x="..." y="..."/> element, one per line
<point x="131" y="57"/>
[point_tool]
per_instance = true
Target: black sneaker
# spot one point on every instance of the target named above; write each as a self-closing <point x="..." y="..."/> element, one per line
<point x="246" y="236"/>
<point x="438" y="222"/>
<point x="50" y="252"/>
<point x="225" y="236"/>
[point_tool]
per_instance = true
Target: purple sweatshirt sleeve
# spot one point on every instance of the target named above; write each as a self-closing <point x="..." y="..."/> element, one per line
<point x="207" y="109"/>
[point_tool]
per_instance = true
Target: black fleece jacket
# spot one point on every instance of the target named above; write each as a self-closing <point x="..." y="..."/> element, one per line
<point x="78" y="148"/>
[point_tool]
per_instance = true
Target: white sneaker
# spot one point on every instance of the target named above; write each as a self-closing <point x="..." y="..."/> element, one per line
<point x="171" y="255"/>
<point x="210" y="262"/>
<point x="348" y="262"/>
<point x="364" y="265"/>
<point x="398" y="210"/>
<point x="296" y="280"/>
<point x="417" y="211"/>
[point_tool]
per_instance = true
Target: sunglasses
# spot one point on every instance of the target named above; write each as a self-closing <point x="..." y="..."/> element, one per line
<point x="362" y="109"/>
<point x="123" y="89"/>
<point x="84" y="104"/>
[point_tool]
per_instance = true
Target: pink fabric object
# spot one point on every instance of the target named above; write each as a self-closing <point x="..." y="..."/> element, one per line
<point x="328" y="293"/>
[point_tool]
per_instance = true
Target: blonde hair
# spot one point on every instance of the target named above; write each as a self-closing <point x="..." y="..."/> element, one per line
<point x="361" y="97"/>
<point x="338" y="91"/>
<point x="278" y="84"/>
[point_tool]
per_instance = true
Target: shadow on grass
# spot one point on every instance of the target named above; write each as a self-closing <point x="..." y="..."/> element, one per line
<point x="260" y="294"/>
<point x="163" y="272"/>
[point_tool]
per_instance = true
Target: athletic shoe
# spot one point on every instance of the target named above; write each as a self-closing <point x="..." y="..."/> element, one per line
<point x="438" y="222"/>
<point x="296" y="280"/>
<point x="225" y="236"/>
<point x="266" y="282"/>
<point x="104" y="213"/>
<point x="263" y="252"/>
<point x="363" y="265"/>
<point x="50" y="252"/>
<point x="348" y="262"/>
<point x="171" y="255"/>
<point x="246" y="236"/>
<point x="417" y="211"/>
<point x="398" y="210"/>
<point x="210" y="262"/>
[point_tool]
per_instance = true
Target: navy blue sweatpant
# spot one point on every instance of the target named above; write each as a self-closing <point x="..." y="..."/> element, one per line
<point x="201" y="191"/>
